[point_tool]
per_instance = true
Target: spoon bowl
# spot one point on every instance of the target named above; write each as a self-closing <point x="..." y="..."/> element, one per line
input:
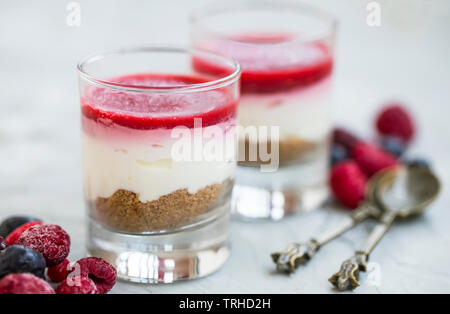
<point x="408" y="190"/>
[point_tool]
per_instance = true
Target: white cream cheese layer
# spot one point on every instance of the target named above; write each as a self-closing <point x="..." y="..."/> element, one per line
<point x="305" y="113"/>
<point x="146" y="167"/>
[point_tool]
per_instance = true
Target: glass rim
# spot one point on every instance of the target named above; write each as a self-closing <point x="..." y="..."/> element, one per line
<point x="215" y="8"/>
<point x="197" y="87"/>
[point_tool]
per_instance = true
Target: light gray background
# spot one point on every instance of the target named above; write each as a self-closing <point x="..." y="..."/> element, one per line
<point x="407" y="58"/>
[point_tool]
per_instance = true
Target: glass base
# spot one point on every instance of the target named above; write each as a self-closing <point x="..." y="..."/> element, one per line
<point x="289" y="190"/>
<point x="163" y="258"/>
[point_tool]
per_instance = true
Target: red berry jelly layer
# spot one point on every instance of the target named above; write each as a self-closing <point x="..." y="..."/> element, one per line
<point x="270" y="62"/>
<point x="145" y="111"/>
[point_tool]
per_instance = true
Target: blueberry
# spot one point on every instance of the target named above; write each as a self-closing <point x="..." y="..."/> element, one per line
<point x="393" y="145"/>
<point x="11" y="223"/>
<point x="417" y="162"/>
<point x="2" y="244"/>
<point x="338" y="153"/>
<point x="20" y="259"/>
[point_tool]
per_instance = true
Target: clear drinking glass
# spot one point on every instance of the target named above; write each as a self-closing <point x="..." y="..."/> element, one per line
<point x="159" y="143"/>
<point x="285" y="49"/>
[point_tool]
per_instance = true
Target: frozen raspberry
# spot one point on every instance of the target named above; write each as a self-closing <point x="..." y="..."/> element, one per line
<point x="372" y="159"/>
<point x="13" y="237"/>
<point x="12" y="223"/>
<point x="395" y="120"/>
<point x="344" y="138"/>
<point x="51" y="240"/>
<point x="77" y="285"/>
<point x="24" y="284"/>
<point x="101" y="272"/>
<point x="348" y="183"/>
<point x="59" y="272"/>
<point x="19" y="259"/>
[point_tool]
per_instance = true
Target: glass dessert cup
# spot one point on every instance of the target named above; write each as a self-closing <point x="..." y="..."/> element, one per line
<point x="158" y="203"/>
<point x="285" y="49"/>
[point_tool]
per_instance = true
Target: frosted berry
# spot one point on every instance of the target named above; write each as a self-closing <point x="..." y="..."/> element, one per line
<point x="393" y="145"/>
<point x="59" y="272"/>
<point x="395" y="120"/>
<point x="24" y="284"/>
<point x="12" y="223"/>
<point x="2" y="244"/>
<point x="338" y="153"/>
<point x="14" y="236"/>
<point x="348" y="184"/>
<point x="77" y="285"/>
<point x="371" y="158"/>
<point x="101" y="272"/>
<point x="20" y="259"/>
<point x="50" y="240"/>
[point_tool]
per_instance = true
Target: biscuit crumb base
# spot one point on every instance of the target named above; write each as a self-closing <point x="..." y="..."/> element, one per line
<point x="125" y="212"/>
<point x="291" y="150"/>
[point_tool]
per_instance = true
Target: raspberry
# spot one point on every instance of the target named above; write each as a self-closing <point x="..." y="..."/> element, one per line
<point x="372" y="159"/>
<point x="12" y="223"/>
<point x="13" y="237"/>
<point x="77" y="285"/>
<point x="394" y="120"/>
<point x="59" y="272"/>
<point x="348" y="183"/>
<point x="24" y="284"/>
<point x="344" y="138"/>
<point x="101" y="272"/>
<point x="51" y="240"/>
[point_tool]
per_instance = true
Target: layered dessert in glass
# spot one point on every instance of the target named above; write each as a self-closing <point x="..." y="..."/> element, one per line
<point x="286" y="52"/>
<point x="159" y="156"/>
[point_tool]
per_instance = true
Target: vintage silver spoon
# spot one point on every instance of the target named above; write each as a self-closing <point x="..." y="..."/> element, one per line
<point x="401" y="193"/>
<point x="297" y="254"/>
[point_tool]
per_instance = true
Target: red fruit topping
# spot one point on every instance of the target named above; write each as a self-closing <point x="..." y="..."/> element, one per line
<point x="395" y="120"/>
<point x="270" y="62"/>
<point x="145" y="111"/>
<point x="101" y="272"/>
<point x="371" y="158"/>
<point x="77" y="285"/>
<point x="348" y="183"/>
<point x="59" y="272"/>
<point x="24" y="284"/>
<point x="345" y="138"/>
<point x="13" y="237"/>
<point x="50" y="240"/>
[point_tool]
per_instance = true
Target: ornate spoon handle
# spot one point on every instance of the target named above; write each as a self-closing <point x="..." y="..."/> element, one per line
<point x="348" y="275"/>
<point x="300" y="253"/>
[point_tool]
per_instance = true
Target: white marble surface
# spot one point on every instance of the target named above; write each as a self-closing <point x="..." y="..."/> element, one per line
<point x="406" y="58"/>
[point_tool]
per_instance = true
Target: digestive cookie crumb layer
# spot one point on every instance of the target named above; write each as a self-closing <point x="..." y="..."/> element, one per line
<point x="291" y="150"/>
<point x="125" y="212"/>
